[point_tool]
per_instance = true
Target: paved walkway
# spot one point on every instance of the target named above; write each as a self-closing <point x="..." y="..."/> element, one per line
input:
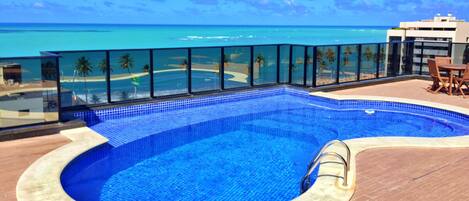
<point x="17" y="155"/>
<point x="411" y="89"/>
<point x="412" y="174"/>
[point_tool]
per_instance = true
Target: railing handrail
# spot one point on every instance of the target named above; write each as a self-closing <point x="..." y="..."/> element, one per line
<point x="304" y="184"/>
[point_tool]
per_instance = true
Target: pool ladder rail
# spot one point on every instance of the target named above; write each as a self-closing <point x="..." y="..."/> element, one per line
<point x="306" y="182"/>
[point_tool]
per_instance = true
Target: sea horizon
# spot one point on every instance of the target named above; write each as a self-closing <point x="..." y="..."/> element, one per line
<point x="29" y="39"/>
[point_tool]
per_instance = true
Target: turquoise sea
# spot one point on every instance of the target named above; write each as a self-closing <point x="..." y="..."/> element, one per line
<point x="30" y="39"/>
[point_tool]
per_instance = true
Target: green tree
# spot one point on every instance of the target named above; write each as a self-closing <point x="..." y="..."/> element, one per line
<point x="368" y="54"/>
<point x="146" y="68"/>
<point x="260" y="60"/>
<point x="127" y="63"/>
<point x="95" y="99"/>
<point x="83" y="67"/>
<point x="330" y="55"/>
<point x="347" y="53"/>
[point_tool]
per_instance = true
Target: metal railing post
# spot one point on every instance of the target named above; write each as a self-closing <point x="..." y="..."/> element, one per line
<point x="378" y="59"/>
<point x="278" y="64"/>
<point x="337" y="79"/>
<point x="189" y="70"/>
<point x="314" y="73"/>
<point x="152" y="79"/>
<point x="290" y="65"/>
<point x="305" y="66"/>
<point x="251" y="67"/>
<point x="108" y="76"/>
<point x="359" y="62"/>
<point x="222" y="68"/>
<point x="421" y="58"/>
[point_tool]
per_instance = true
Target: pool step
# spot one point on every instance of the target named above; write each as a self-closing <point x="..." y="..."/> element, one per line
<point x="300" y="132"/>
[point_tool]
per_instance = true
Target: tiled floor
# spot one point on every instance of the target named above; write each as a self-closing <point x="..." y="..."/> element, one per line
<point x="411" y="89"/>
<point x="17" y="155"/>
<point x="412" y="174"/>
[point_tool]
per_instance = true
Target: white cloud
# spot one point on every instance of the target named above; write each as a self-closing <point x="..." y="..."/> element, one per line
<point x="38" y="5"/>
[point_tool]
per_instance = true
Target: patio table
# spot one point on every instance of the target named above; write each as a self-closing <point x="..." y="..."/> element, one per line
<point x="450" y="68"/>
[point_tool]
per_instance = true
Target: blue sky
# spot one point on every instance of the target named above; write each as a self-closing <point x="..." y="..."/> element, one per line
<point x="254" y="12"/>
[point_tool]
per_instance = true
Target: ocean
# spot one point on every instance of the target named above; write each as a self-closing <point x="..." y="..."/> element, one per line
<point x="30" y="39"/>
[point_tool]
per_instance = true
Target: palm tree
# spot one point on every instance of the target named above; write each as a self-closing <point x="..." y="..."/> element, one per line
<point x="95" y="99"/>
<point x="260" y="60"/>
<point x="146" y="68"/>
<point x="226" y="60"/>
<point x="319" y="57"/>
<point x="184" y="64"/>
<point x="330" y="55"/>
<point x="48" y="70"/>
<point x="368" y="54"/>
<point x="103" y="66"/>
<point x="347" y="53"/>
<point x="84" y="68"/>
<point x="126" y="62"/>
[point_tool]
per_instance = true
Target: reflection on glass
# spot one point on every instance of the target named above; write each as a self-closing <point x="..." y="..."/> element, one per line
<point x="83" y="78"/>
<point x="236" y="63"/>
<point x="368" y="62"/>
<point x="326" y="65"/>
<point x="460" y="53"/>
<point x="170" y="71"/>
<point x="348" y="63"/>
<point x="309" y="66"/>
<point x="130" y="76"/>
<point x="393" y="59"/>
<point x="28" y="91"/>
<point x="298" y="66"/>
<point x="284" y="63"/>
<point x="205" y="69"/>
<point x="265" y="65"/>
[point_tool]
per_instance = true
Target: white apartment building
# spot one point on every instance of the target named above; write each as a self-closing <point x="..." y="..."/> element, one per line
<point x="441" y="36"/>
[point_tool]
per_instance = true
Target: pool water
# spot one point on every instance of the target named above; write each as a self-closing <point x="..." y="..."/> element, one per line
<point x="251" y="149"/>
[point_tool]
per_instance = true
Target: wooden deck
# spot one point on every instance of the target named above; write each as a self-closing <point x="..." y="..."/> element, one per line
<point x="410" y="89"/>
<point x="412" y="174"/>
<point x="17" y="155"/>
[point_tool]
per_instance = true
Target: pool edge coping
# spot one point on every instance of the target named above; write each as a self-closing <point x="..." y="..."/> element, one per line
<point x="41" y="180"/>
<point x="330" y="188"/>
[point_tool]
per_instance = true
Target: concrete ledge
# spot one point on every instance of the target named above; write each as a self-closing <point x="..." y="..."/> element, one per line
<point x="41" y="181"/>
<point x="330" y="187"/>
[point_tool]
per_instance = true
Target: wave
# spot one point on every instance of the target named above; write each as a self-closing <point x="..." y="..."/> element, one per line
<point x="216" y="37"/>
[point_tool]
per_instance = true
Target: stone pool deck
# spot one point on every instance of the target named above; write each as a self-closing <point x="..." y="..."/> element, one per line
<point x="17" y="155"/>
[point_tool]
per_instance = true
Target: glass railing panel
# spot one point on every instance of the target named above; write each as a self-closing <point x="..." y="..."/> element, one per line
<point x="348" y="63"/>
<point x="83" y="78"/>
<point x="460" y="53"/>
<point x="265" y="65"/>
<point x="326" y="72"/>
<point x="170" y="73"/>
<point x="130" y="76"/>
<point x="205" y="69"/>
<point x="236" y="64"/>
<point x="284" y="63"/>
<point x="368" y="63"/>
<point x="28" y="91"/>
<point x="298" y="64"/>
<point x="309" y="66"/>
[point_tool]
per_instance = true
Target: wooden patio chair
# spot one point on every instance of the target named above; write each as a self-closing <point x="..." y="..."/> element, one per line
<point x="463" y="81"/>
<point x="443" y="61"/>
<point x="437" y="77"/>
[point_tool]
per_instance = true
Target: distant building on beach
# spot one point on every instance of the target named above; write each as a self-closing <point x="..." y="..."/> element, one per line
<point x="437" y="36"/>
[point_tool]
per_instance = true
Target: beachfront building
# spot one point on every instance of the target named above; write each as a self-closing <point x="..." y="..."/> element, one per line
<point x="434" y="37"/>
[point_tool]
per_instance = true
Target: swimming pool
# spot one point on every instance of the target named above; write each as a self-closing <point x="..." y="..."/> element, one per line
<point x="251" y="145"/>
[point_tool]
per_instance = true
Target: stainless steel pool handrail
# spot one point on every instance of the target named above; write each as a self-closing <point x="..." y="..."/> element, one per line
<point x="327" y="145"/>
<point x="305" y="181"/>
